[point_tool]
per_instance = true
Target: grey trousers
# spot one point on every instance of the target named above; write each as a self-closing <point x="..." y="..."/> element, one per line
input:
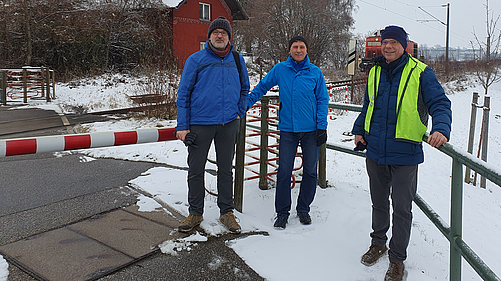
<point x="225" y="137"/>
<point x="399" y="182"/>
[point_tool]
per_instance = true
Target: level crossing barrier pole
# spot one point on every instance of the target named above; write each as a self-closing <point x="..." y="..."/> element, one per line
<point x="263" y="155"/>
<point x="239" y="166"/>
<point x="474" y="105"/>
<point x="11" y="147"/>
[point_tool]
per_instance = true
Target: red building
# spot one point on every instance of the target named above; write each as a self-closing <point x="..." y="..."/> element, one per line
<point x="191" y="20"/>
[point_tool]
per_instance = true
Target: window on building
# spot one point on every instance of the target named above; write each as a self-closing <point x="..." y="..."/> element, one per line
<point x="204" y="11"/>
<point x="202" y="45"/>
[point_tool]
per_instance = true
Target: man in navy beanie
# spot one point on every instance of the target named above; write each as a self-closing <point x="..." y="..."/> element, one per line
<point x="401" y="92"/>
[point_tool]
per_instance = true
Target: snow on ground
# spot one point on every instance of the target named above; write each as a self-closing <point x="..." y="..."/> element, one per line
<point x="331" y="247"/>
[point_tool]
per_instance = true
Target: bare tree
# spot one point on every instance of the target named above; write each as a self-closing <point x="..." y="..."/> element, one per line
<point x="488" y="65"/>
<point x="324" y="23"/>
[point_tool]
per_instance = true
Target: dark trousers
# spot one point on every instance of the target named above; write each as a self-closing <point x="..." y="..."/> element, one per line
<point x="399" y="182"/>
<point x="225" y="137"/>
<point x="286" y="154"/>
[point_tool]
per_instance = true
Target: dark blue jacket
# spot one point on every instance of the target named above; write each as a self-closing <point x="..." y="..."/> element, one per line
<point x="303" y="97"/>
<point x="382" y="146"/>
<point x="210" y="91"/>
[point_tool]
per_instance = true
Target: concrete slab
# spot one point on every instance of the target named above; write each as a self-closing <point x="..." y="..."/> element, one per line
<point x="131" y="234"/>
<point x="159" y="216"/>
<point x="62" y="254"/>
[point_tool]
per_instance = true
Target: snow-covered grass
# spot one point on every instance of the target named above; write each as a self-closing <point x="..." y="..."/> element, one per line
<point x="330" y="248"/>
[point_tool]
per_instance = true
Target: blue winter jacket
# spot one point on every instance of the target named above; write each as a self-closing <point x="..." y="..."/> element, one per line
<point x="210" y="91"/>
<point x="382" y="146"/>
<point x="303" y="97"/>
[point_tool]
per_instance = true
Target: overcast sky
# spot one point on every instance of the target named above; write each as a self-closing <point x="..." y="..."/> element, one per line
<point x="465" y="18"/>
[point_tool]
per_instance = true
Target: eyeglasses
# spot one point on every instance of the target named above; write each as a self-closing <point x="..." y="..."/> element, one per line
<point x="223" y="33"/>
<point x="391" y="42"/>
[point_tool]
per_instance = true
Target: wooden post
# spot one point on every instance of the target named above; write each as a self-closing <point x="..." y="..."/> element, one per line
<point x="42" y="82"/>
<point x="474" y="105"/>
<point x="4" y="87"/>
<point x="53" y="84"/>
<point x="47" y="84"/>
<point x="239" y="166"/>
<point x="263" y="166"/>
<point x="485" y="133"/>
<point x="25" y="85"/>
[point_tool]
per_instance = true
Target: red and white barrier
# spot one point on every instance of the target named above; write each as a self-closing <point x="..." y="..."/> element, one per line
<point x="68" y="142"/>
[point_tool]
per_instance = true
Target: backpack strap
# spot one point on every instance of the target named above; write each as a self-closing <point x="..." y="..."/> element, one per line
<point x="237" y="62"/>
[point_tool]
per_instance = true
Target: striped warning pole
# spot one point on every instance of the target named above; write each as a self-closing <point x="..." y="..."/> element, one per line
<point x="22" y="146"/>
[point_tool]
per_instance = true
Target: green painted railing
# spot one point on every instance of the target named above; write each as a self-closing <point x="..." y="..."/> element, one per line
<point x="458" y="248"/>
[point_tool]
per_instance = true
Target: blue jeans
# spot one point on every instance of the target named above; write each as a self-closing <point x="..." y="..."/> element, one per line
<point x="287" y="152"/>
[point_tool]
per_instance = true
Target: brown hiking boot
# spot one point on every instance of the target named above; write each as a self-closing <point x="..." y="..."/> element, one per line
<point x="395" y="272"/>
<point x="190" y="222"/>
<point x="373" y="254"/>
<point x="230" y="221"/>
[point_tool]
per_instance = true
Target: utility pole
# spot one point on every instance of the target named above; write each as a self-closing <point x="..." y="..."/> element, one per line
<point x="447" y="42"/>
<point x="446" y="34"/>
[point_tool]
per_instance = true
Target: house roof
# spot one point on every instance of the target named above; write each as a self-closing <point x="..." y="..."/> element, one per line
<point x="237" y="11"/>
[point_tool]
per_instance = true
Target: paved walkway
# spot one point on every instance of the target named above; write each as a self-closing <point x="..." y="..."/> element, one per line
<point x="67" y="222"/>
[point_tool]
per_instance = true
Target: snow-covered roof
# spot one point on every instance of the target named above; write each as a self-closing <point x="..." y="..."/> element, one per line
<point x="172" y="3"/>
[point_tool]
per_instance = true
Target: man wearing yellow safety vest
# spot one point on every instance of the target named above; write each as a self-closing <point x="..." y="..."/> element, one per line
<point x="401" y="92"/>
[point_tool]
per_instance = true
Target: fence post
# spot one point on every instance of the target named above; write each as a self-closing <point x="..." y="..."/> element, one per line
<point x="485" y="134"/>
<point x="53" y="84"/>
<point x="474" y="105"/>
<point x="42" y="81"/>
<point x="25" y="85"/>
<point x="47" y="84"/>
<point x="322" y="166"/>
<point x="239" y="166"/>
<point x="456" y="219"/>
<point x="4" y="87"/>
<point x="263" y="166"/>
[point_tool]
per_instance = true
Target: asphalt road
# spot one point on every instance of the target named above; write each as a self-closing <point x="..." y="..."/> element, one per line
<point x="42" y="192"/>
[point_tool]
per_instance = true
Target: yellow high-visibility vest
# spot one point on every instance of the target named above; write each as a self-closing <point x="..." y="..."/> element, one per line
<point x="412" y="114"/>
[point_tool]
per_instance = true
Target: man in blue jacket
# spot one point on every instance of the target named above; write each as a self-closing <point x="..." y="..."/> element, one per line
<point x="401" y="92"/>
<point x="303" y="110"/>
<point x="211" y="100"/>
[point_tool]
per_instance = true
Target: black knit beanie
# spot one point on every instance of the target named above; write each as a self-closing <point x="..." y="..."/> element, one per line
<point x="397" y="33"/>
<point x="297" y="38"/>
<point x="220" y="22"/>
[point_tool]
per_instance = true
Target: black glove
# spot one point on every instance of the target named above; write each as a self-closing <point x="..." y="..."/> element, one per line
<point x="189" y="139"/>
<point x="321" y="136"/>
<point x="360" y="146"/>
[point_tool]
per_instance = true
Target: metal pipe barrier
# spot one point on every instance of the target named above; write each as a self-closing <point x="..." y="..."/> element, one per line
<point x="458" y="248"/>
<point x="260" y="112"/>
<point x="20" y="146"/>
<point x="28" y="82"/>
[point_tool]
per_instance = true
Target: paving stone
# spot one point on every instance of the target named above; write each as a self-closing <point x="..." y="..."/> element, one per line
<point x="159" y="216"/>
<point x="126" y="232"/>
<point x="64" y="255"/>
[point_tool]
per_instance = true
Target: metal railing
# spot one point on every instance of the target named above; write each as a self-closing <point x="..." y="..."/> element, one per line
<point x="458" y="248"/>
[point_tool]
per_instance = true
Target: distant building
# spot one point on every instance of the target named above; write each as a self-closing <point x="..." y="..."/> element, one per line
<point x="438" y="52"/>
<point x="191" y="20"/>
